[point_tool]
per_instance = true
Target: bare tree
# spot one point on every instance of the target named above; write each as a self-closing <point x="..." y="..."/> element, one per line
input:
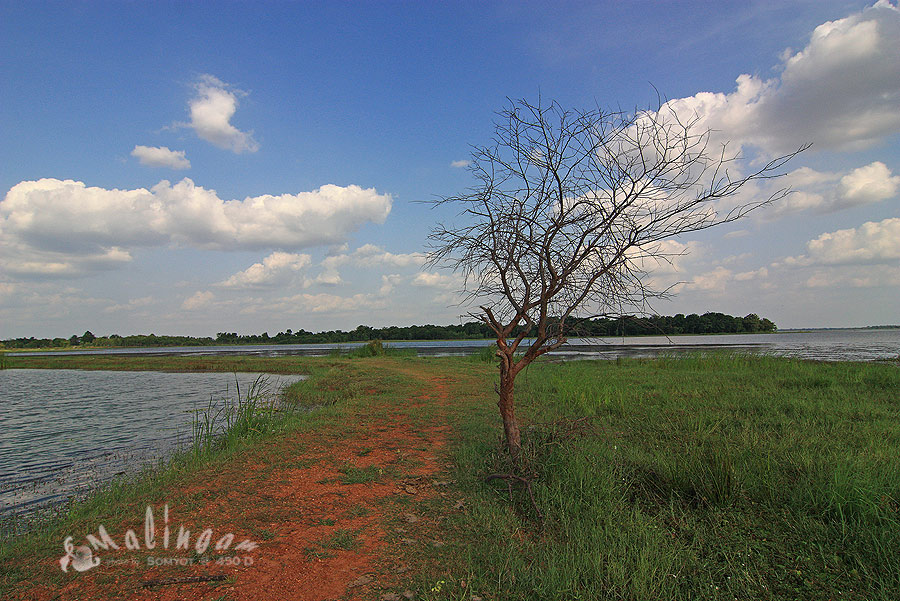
<point x="570" y="213"/>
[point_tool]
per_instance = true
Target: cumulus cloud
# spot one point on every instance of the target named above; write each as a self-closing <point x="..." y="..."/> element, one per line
<point x="437" y="280"/>
<point x="134" y="303"/>
<point x="666" y="257"/>
<point x="865" y="276"/>
<point x="56" y="227"/>
<point x="388" y="282"/>
<point x="198" y="300"/>
<point x="761" y="273"/>
<point x="841" y="91"/>
<point x="837" y="256"/>
<point x="871" y="243"/>
<point x="211" y="110"/>
<point x="277" y="268"/>
<point x="460" y="164"/>
<point x="301" y="304"/>
<point x="714" y="280"/>
<point x="869" y="184"/>
<point x="160" y="156"/>
<point x="826" y="192"/>
<point x="367" y="255"/>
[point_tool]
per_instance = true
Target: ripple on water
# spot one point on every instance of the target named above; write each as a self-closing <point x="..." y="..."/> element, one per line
<point x="65" y="431"/>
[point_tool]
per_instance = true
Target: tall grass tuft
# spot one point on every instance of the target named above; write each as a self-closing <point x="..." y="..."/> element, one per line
<point x="254" y="412"/>
<point x="486" y="354"/>
<point x="373" y="348"/>
<point x="376" y="348"/>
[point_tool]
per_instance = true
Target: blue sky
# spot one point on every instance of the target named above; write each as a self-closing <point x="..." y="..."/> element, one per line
<point x="349" y="113"/>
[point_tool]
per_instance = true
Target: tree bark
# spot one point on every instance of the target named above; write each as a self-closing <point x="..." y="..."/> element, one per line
<point x="508" y="412"/>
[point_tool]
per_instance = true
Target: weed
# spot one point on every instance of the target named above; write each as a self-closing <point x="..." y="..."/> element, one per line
<point x="485" y="354"/>
<point x="351" y="474"/>
<point x="342" y="539"/>
<point x="357" y="511"/>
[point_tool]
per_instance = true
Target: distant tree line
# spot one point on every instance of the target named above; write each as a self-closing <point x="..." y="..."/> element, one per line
<point x="659" y="325"/>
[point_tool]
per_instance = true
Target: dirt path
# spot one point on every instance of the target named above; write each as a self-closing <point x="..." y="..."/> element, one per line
<point x="333" y="511"/>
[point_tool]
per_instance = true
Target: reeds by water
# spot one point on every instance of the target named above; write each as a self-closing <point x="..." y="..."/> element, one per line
<point x="255" y="411"/>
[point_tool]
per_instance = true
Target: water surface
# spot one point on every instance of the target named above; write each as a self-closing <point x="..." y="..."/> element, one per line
<point x="63" y="431"/>
<point x="823" y="345"/>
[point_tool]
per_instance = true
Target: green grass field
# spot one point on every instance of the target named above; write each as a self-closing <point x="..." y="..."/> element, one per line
<point x="707" y="477"/>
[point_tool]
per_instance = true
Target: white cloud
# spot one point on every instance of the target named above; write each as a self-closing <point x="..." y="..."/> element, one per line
<point x="161" y="156"/>
<point x="388" y="282"/>
<point x="841" y="91"/>
<point x="460" y="164"/>
<point x="872" y="242"/>
<point x="666" y="257"/>
<point x="868" y="184"/>
<point x="211" y="111"/>
<point x="436" y="280"/>
<point x="56" y="227"/>
<point x="134" y="303"/>
<point x="198" y="300"/>
<point x="826" y="192"/>
<point x="367" y="255"/>
<point x="760" y="273"/>
<point x="864" y="276"/>
<point x="277" y="268"/>
<point x="301" y="304"/>
<point x="714" y="280"/>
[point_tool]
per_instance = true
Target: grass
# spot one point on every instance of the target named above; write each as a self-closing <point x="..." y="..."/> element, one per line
<point x="341" y="539"/>
<point x="375" y="348"/>
<point x="710" y="476"/>
<point x="258" y="411"/>
<point x="351" y="474"/>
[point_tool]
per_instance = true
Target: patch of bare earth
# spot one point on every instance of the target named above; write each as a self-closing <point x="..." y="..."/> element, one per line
<point x="319" y="505"/>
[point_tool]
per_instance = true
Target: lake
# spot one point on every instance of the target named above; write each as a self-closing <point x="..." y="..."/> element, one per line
<point x="822" y="345"/>
<point x="64" y="431"/>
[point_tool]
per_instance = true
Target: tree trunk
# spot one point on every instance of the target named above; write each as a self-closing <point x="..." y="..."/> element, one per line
<point x="508" y="412"/>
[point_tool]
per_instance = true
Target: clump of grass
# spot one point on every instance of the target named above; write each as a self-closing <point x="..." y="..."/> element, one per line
<point x="373" y="348"/>
<point x="357" y="511"/>
<point x="376" y="348"/>
<point x="350" y="474"/>
<point x="485" y="354"/>
<point x="342" y="539"/>
<point x="254" y="412"/>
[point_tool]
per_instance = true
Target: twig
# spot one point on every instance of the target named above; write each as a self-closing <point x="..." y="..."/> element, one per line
<point x="509" y="478"/>
<point x="182" y="580"/>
